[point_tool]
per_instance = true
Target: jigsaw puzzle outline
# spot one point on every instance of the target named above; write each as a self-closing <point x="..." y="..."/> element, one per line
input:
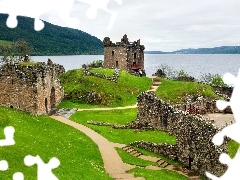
<point x="63" y="8"/>
<point x="230" y="131"/>
<point x="100" y="5"/>
<point x="8" y="141"/>
<point x="44" y="169"/>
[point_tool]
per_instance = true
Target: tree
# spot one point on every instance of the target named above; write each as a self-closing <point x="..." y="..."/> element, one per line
<point x="16" y="52"/>
<point x="22" y="48"/>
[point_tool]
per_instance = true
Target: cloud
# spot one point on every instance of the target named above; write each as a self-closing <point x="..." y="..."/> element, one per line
<point x="166" y="25"/>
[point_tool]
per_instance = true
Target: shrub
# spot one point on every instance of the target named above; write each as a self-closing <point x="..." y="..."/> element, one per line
<point x="213" y="80"/>
<point x="165" y="71"/>
<point x="183" y="76"/>
<point x="218" y="81"/>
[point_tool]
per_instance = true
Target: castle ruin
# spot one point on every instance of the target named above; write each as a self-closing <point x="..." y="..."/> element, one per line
<point x="31" y="88"/>
<point x="194" y="147"/>
<point x="125" y="55"/>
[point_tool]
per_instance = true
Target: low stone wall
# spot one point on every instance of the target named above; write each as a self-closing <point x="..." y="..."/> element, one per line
<point x="223" y="90"/>
<point x="91" y="97"/>
<point x="194" y="147"/>
<point x="199" y="106"/>
<point x="114" y="78"/>
<point x="163" y="149"/>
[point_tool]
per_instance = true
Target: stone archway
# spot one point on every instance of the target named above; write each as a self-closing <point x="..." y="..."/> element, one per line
<point x="190" y="161"/>
<point x="46" y="105"/>
<point x="52" y="98"/>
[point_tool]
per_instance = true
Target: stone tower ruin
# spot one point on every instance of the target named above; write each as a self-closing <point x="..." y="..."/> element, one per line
<point x="125" y="55"/>
<point x="31" y="88"/>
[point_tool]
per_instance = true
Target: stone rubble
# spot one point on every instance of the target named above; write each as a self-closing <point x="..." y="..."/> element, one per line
<point x="64" y="112"/>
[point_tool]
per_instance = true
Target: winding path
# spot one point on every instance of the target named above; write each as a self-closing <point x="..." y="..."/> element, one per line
<point x="113" y="163"/>
<point x="155" y="84"/>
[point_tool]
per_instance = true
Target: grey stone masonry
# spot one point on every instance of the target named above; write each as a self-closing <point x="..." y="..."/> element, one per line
<point x="125" y="55"/>
<point x="32" y="88"/>
<point x="194" y="133"/>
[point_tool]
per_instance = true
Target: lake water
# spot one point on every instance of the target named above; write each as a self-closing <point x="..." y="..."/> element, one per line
<point x="194" y="64"/>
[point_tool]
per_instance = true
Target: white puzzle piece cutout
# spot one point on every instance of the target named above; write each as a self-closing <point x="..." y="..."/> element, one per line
<point x="44" y="170"/>
<point x="3" y="165"/>
<point x="36" y="8"/>
<point x="9" y="136"/>
<point x="233" y="168"/>
<point x="18" y="176"/>
<point x="8" y="141"/>
<point x="231" y="131"/>
<point x="100" y="5"/>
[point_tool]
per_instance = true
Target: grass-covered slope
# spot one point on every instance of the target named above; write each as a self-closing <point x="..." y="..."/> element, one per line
<point x="79" y="156"/>
<point x="175" y="91"/>
<point x="123" y="93"/>
<point x="123" y="136"/>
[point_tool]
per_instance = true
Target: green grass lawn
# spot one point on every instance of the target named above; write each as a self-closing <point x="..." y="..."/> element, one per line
<point x="175" y="91"/>
<point x="124" y="136"/>
<point x="233" y="147"/>
<point x="105" y="71"/>
<point x="30" y="63"/>
<point x="123" y="93"/>
<point x="43" y="136"/>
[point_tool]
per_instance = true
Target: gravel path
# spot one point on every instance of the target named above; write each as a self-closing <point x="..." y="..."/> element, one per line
<point x="155" y="84"/>
<point x="113" y="164"/>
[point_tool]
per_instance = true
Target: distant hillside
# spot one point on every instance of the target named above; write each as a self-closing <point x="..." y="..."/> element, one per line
<point x="52" y="40"/>
<point x="215" y="50"/>
<point x="155" y="52"/>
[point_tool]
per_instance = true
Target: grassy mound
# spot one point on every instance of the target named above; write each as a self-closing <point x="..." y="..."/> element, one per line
<point x="79" y="156"/>
<point x="175" y="91"/>
<point x="112" y="94"/>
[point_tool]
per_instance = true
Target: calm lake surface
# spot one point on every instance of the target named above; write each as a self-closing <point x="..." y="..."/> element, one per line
<point x="194" y="64"/>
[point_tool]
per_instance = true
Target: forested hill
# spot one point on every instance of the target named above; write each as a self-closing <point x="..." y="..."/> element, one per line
<point x="52" y="40"/>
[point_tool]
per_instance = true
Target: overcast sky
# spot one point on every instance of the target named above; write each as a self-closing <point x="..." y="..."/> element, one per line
<point x="164" y="25"/>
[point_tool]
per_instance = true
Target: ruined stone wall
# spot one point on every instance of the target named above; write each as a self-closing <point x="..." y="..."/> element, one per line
<point x="135" y="54"/>
<point x="123" y="54"/>
<point x="223" y="90"/>
<point x="34" y="89"/>
<point x="49" y="90"/>
<point x="200" y="106"/>
<point x="194" y="147"/>
<point x="114" y="56"/>
<point x="16" y="90"/>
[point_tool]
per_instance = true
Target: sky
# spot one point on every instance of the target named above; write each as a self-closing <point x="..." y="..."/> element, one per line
<point x="162" y="25"/>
